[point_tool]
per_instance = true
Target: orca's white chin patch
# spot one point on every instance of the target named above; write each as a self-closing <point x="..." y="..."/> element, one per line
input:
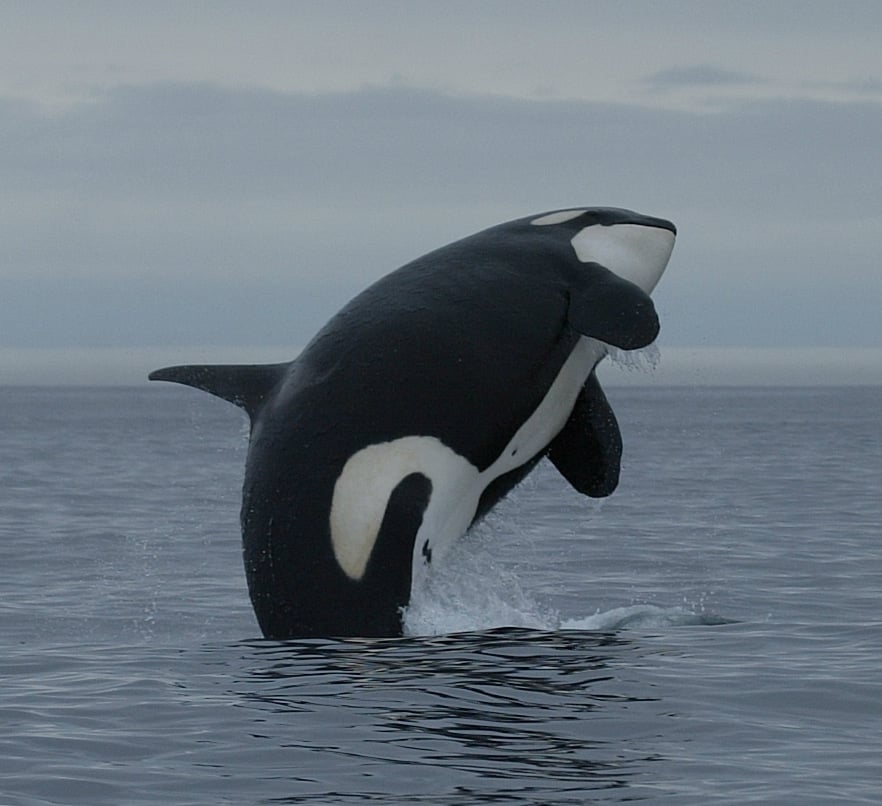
<point x="635" y="252"/>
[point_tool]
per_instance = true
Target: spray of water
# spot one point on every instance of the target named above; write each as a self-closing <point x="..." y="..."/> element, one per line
<point x="646" y="359"/>
<point x="472" y="591"/>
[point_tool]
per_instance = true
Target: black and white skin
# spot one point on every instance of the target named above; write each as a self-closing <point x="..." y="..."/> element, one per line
<point x="424" y="401"/>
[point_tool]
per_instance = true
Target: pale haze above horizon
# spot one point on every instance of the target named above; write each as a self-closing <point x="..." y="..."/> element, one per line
<point x="227" y="175"/>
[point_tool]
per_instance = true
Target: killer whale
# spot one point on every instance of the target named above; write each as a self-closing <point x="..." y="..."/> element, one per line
<point x="423" y="401"/>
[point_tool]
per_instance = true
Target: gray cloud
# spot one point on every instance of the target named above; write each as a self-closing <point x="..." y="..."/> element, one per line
<point x="176" y="213"/>
<point x="700" y="75"/>
<point x="196" y="143"/>
<point x="871" y="87"/>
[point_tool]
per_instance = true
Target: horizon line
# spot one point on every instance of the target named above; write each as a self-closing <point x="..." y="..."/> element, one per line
<point x="664" y="366"/>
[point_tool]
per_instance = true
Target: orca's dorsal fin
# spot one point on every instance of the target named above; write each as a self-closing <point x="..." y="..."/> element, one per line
<point x="244" y="385"/>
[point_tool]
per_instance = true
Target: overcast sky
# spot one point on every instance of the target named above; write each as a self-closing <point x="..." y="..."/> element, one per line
<point x="199" y="180"/>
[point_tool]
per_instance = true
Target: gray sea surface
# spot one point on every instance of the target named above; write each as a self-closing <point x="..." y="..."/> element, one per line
<point x="712" y="633"/>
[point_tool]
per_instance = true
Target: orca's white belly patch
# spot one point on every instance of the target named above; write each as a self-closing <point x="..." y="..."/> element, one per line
<point x="362" y="492"/>
<point x="368" y="478"/>
<point x="551" y="414"/>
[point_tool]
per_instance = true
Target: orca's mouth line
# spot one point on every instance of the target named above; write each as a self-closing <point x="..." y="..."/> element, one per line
<point x="662" y="224"/>
<point x="655" y="223"/>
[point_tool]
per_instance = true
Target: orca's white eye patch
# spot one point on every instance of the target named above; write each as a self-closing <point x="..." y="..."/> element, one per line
<point x="557" y="218"/>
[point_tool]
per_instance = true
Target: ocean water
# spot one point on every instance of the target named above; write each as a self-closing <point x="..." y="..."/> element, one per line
<point x="712" y="633"/>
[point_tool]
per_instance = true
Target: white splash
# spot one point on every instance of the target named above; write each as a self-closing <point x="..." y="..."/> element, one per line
<point x="640" y="616"/>
<point x="646" y="359"/>
<point x="473" y="591"/>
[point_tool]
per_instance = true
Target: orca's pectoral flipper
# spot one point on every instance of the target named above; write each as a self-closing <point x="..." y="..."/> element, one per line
<point x="611" y="309"/>
<point x="244" y="385"/>
<point x="588" y="450"/>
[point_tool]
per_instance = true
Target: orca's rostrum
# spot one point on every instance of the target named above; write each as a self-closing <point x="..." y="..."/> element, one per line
<point x="424" y="401"/>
